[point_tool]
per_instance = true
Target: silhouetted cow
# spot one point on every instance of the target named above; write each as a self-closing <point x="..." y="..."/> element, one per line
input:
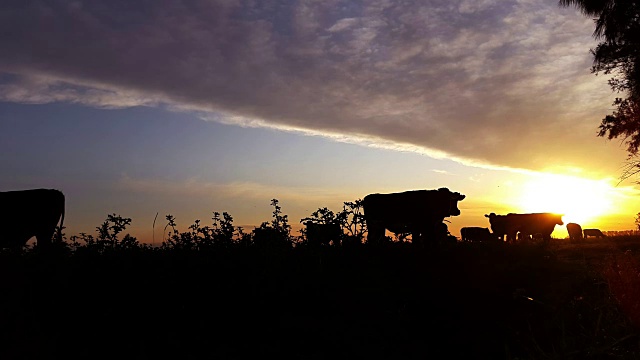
<point x="575" y="231"/>
<point x="419" y="212"/>
<point x="538" y="224"/>
<point x="28" y="213"/>
<point x="593" y="232"/>
<point x="323" y="234"/>
<point x="474" y="233"/>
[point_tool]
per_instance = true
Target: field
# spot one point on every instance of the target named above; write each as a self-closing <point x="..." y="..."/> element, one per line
<point x="463" y="300"/>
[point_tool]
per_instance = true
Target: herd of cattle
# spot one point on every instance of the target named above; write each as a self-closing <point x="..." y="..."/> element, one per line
<point x="421" y="213"/>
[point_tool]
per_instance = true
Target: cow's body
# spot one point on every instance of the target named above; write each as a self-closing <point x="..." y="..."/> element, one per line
<point x="474" y="233"/>
<point x="419" y="212"/>
<point x="537" y="224"/>
<point x="593" y="232"/>
<point x="575" y="231"/>
<point x="323" y="234"/>
<point x="28" y="213"/>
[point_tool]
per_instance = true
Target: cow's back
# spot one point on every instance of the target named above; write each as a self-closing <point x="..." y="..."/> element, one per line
<point x="29" y="213"/>
<point x="593" y="232"/>
<point x="529" y="224"/>
<point x="535" y="222"/>
<point x="575" y="231"/>
<point x="474" y="233"/>
<point x="406" y="207"/>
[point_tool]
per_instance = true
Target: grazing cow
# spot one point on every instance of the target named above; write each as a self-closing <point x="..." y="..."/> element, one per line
<point x="593" y="232"/>
<point x="28" y="213"/>
<point x="575" y="231"/>
<point x="537" y="224"/>
<point x="419" y="212"/>
<point x="323" y="234"/>
<point x="475" y="233"/>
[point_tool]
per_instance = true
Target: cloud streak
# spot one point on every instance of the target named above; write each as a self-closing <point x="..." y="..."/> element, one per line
<point x="497" y="82"/>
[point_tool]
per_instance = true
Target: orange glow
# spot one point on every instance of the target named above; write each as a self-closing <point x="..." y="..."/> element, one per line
<point x="580" y="200"/>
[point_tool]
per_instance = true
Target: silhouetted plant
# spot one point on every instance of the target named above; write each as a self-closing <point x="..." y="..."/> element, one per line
<point x="243" y="239"/>
<point x="59" y="243"/>
<point x="87" y="240"/>
<point x="201" y="236"/>
<point x="181" y="241"/>
<point x="221" y="235"/>
<point x="322" y="227"/>
<point x="223" y="230"/>
<point x="107" y="238"/>
<point x="277" y="233"/>
<point x="352" y="220"/>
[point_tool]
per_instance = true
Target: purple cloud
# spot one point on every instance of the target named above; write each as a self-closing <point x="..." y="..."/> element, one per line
<point x="498" y="82"/>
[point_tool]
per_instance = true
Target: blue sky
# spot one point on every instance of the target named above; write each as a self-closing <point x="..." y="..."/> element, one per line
<point x="189" y="107"/>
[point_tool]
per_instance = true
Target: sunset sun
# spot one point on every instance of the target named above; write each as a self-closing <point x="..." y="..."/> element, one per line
<point x="579" y="200"/>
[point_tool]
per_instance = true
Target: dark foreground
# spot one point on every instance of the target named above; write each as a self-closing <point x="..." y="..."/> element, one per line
<point x="494" y="301"/>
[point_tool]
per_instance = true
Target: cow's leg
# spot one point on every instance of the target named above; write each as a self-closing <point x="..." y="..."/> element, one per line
<point x="525" y="237"/>
<point x="375" y="234"/>
<point x="44" y="240"/>
<point x="441" y="232"/>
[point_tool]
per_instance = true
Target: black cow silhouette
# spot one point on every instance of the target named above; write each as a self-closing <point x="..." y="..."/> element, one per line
<point x="28" y="213"/>
<point x="538" y="224"/>
<point x="593" y="232"/>
<point x="475" y="233"/>
<point x="323" y="233"/>
<point x="419" y="212"/>
<point x="575" y="231"/>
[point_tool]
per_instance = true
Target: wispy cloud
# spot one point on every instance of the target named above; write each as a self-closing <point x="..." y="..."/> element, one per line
<point x="197" y="188"/>
<point x="444" y="172"/>
<point x="492" y="82"/>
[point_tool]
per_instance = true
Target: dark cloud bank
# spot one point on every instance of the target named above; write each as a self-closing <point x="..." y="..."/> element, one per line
<point x="501" y="82"/>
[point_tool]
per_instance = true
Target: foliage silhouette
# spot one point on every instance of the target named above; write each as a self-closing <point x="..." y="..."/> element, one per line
<point x="618" y="54"/>
<point x="274" y="235"/>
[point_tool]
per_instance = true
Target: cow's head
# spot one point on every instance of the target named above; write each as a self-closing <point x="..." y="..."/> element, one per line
<point x="558" y="219"/>
<point x="453" y="197"/>
<point x="497" y="222"/>
<point x="491" y="218"/>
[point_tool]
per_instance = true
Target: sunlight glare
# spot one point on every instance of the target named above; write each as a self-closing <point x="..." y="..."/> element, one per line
<point x="579" y="200"/>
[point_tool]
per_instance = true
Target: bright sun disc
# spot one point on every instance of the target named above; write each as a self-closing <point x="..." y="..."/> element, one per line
<point x="579" y="200"/>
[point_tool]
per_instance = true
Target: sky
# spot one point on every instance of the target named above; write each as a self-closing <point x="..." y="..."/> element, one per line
<point x="190" y="107"/>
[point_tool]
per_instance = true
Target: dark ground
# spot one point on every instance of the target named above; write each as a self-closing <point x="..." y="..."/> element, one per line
<point x="472" y="301"/>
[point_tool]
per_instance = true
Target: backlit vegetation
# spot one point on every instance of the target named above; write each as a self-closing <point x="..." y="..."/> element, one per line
<point x="219" y="291"/>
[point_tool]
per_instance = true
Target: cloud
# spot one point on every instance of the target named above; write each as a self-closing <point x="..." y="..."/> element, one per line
<point x="197" y="188"/>
<point x="444" y="172"/>
<point x="492" y="82"/>
<point x="29" y="89"/>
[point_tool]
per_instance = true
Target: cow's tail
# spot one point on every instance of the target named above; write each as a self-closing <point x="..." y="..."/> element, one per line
<point x="61" y="218"/>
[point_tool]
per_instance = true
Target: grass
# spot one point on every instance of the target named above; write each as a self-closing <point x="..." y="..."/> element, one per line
<point x="498" y="301"/>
